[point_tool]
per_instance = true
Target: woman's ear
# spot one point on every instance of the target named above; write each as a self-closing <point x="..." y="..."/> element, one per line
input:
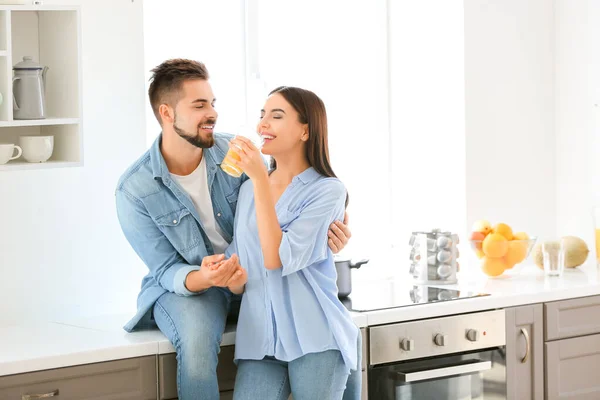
<point x="305" y="134"/>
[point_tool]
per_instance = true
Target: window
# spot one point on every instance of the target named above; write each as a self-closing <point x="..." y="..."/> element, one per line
<point x="207" y="31"/>
<point x="390" y="74"/>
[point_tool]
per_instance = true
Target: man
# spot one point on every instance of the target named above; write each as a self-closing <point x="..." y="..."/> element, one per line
<point x="176" y="208"/>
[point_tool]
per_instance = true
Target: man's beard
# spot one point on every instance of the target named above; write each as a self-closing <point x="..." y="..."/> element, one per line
<point x="196" y="139"/>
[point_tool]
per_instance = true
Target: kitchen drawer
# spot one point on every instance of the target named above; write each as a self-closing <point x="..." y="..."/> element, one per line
<point x="570" y="318"/>
<point x="167" y="373"/>
<point x="130" y="379"/>
<point x="572" y="368"/>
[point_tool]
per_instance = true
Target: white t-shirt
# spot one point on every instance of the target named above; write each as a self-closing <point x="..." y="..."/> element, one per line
<point x="196" y="186"/>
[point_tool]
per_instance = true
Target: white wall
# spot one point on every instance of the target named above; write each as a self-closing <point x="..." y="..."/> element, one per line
<point x="577" y="112"/>
<point x="61" y="249"/>
<point x="427" y="119"/>
<point x="510" y="135"/>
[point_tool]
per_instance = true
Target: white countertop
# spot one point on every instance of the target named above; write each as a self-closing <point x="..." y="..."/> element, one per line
<point x="76" y="341"/>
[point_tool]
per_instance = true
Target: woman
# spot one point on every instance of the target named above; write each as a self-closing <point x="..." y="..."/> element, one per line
<point x="293" y="333"/>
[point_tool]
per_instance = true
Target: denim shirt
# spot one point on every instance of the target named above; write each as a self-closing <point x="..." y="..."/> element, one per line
<point x="293" y="310"/>
<point x="162" y="225"/>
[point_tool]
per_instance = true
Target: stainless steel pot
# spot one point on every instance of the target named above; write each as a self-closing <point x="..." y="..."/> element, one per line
<point x="344" y="276"/>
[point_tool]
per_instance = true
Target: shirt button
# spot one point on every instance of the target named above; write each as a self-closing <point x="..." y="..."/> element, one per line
<point x="174" y="221"/>
<point x="219" y="214"/>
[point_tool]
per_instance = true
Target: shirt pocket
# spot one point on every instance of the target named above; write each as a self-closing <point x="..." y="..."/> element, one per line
<point x="181" y="228"/>
<point x="232" y="199"/>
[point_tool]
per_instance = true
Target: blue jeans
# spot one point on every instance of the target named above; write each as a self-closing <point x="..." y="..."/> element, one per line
<point x="354" y="384"/>
<point x="314" y="376"/>
<point x="194" y="325"/>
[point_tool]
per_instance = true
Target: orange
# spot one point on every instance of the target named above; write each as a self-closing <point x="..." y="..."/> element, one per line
<point x="477" y="237"/>
<point x="493" y="266"/>
<point x="482" y="226"/>
<point x="495" y="245"/>
<point x="503" y="230"/>
<point x="517" y="251"/>
<point x="479" y="253"/>
<point x="520" y="236"/>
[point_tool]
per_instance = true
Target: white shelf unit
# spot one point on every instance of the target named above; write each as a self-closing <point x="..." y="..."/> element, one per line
<point x="51" y="35"/>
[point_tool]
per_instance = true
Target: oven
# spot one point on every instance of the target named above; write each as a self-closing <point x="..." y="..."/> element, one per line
<point x="458" y="357"/>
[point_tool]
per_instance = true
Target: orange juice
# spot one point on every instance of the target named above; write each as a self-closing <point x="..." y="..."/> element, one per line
<point x="598" y="245"/>
<point x="229" y="167"/>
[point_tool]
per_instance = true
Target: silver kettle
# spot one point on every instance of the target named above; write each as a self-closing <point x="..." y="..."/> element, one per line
<point x="29" y="83"/>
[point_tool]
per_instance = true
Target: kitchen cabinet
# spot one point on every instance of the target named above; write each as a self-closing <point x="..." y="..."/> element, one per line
<point x="525" y="352"/>
<point x="572" y="368"/>
<point x="572" y="348"/>
<point x="572" y="318"/>
<point x="129" y="379"/>
<point x="51" y="35"/>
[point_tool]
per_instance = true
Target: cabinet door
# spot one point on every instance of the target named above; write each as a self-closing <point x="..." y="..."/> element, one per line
<point x="573" y="317"/>
<point x="131" y="379"/>
<point x="572" y="368"/>
<point x="524" y="352"/>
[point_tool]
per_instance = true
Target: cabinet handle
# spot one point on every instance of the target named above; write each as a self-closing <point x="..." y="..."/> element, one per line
<point x="39" y="396"/>
<point x="527" y="345"/>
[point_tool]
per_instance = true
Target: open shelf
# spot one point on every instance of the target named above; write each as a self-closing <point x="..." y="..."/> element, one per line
<point x="16" y="165"/>
<point x="39" y="122"/>
<point x="51" y="35"/>
<point x="67" y="145"/>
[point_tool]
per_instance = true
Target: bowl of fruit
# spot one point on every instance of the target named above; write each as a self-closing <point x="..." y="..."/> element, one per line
<point x="499" y="249"/>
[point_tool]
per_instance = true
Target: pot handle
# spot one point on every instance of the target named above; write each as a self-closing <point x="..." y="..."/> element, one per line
<point x="15" y="105"/>
<point x="359" y="263"/>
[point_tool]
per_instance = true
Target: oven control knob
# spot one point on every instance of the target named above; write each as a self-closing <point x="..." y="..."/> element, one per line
<point x="407" y="344"/>
<point x="440" y="339"/>
<point x="473" y="335"/>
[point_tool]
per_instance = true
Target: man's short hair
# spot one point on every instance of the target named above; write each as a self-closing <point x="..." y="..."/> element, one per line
<point x="167" y="80"/>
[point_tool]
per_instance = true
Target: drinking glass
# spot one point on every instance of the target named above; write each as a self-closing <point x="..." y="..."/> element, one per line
<point x="553" y="253"/>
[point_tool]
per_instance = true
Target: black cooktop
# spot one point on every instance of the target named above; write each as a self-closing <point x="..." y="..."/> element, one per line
<point x="381" y="296"/>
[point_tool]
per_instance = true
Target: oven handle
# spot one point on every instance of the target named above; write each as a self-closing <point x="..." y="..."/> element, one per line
<point x="462" y="369"/>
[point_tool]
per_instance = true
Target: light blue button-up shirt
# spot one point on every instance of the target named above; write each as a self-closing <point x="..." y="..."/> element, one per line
<point x="293" y="310"/>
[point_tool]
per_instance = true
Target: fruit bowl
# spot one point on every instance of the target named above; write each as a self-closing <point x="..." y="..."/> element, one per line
<point x="499" y="256"/>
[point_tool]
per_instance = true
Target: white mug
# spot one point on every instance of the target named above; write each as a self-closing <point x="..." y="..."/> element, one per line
<point x="7" y="152"/>
<point x="37" y="149"/>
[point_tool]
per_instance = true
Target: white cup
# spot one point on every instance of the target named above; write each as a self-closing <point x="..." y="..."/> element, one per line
<point x="7" y="152"/>
<point x="37" y="149"/>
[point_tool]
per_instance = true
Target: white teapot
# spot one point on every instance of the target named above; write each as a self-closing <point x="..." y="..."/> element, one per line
<point x="29" y="83"/>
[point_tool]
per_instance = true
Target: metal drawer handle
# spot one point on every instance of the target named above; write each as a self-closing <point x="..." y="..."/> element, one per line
<point x="39" y="396"/>
<point x="443" y="372"/>
<point x="527" y="345"/>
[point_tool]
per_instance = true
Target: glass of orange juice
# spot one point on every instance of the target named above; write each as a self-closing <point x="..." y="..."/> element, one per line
<point x="597" y="233"/>
<point x="228" y="166"/>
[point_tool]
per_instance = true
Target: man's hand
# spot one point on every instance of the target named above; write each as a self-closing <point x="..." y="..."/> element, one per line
<point x="339" y="234"/>
<point x="238" y="281"/>
<point x="214" y="271"/>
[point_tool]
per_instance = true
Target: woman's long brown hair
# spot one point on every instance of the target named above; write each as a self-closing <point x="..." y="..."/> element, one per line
<point x="311" y="111"/>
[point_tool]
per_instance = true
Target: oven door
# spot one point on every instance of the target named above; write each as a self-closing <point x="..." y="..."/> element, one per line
<point x="467" y="376"/>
